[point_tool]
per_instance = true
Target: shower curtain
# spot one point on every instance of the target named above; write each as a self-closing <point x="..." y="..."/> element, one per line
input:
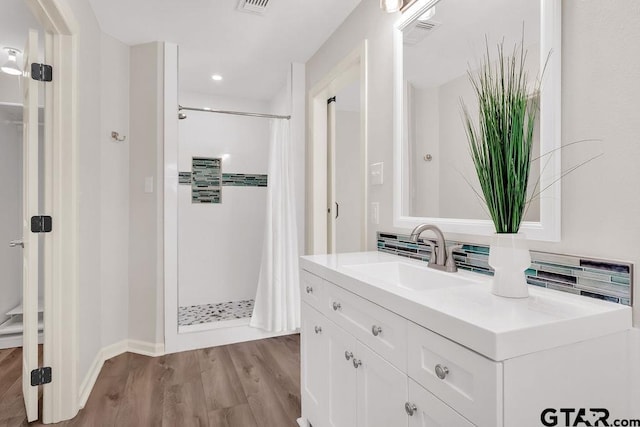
<point x="277" y="304"/>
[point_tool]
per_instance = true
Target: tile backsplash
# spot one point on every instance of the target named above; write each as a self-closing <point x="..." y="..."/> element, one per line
<point x="602" y="279"/>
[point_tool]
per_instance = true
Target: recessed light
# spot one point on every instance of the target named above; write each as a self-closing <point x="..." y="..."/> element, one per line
<point x="216" y="77"/>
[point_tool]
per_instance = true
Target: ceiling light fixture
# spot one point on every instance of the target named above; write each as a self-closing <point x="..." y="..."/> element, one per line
<point x="11" y="66"/>
<point x="390" y="6"/>
<point x="216" y="77"/>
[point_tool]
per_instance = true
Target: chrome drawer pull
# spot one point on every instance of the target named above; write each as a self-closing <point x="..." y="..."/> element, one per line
<point x="309" y="290"/>
<point x="376" y="330"/>
<point x="336" y="306"/>
<point x="356" y="363"/>
<point x="441" y="371"/>
<point x="318" y="329"/>
<point x="348" y="355"/>
<point x="410" y="408"/>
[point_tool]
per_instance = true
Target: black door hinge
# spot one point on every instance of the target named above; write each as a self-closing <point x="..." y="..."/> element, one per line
<point x="41" y="224"/>
<point x="330" y="100"/>
<point x="41" y="376"/>
<point x="41" y="72"/>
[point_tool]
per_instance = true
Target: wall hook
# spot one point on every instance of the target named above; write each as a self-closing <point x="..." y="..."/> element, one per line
<point x="116" y="136"/>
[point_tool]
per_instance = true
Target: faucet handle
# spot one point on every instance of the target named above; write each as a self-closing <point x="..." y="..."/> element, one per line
<point x="451" y="262"/>
<point x="433" y="258"/>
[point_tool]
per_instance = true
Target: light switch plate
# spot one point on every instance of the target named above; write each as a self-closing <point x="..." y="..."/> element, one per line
<point x="376" y="173"/>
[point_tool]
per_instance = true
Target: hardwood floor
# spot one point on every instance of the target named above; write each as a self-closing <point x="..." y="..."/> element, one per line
<point x="251" y="384"/>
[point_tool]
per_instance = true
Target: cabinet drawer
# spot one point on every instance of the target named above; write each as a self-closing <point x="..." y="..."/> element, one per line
<point x="385" y="332"/>
<point x="311" y="289"/>
<point x="430" y="411"/>
<point x="466" y="381"/>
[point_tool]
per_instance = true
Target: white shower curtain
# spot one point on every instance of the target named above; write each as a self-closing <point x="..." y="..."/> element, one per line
<point x="277" y="305"/>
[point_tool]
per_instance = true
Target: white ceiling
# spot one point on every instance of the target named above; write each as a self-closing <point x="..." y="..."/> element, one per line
<point x="251" y="52"/>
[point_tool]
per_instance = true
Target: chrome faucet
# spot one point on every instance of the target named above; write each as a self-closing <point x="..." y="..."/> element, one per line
<point x="441" y="258"/>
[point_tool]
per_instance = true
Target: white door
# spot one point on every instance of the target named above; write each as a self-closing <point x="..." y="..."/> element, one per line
<point x="314" y="356"/>
<point x="382" y="391"/>
<point x="341" y="399"/>
<point x="29" y="239"/>
<point x="332" y="207"/>
<point x="348" y="173"/>
<point x="426" y="410"/>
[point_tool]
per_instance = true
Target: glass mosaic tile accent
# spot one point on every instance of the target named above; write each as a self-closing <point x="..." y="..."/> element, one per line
<point x="209" y="313"/>
<point x="244" y="180"/>
<point x="601" y="279"/>
<point x="184" y="178"/>
<point x="206" y="177"/>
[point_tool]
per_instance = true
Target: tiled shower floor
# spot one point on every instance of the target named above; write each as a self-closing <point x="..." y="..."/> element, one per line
<point x="210" y="313"/>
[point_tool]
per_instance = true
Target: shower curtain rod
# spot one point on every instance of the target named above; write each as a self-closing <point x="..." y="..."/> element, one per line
<point x="236" y="113"/>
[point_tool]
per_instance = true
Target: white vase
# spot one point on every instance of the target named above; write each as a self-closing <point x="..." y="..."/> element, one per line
<point x="509" y="256"/>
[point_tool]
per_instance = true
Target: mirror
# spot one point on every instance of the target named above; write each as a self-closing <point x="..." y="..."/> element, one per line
<point x="436" y="43"/>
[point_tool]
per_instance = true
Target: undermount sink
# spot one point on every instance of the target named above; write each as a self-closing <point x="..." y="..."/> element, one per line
<point x="409" y="276"/>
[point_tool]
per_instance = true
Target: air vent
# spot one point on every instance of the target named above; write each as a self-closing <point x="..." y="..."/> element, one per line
<point x="418" y="31"/>
<point x="258" y="7"/>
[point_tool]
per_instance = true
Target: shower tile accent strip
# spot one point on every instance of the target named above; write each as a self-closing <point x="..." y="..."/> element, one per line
<point x="184" y="178"/>
<point x="601" y="279"/>
<point x="209" y="313"/>
<point x="244" y="180"/>
<point x="206" y="178"/>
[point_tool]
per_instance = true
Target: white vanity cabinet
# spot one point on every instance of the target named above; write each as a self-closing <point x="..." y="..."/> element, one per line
<point x="345" y="383"/>
<point x="374" y="355"/>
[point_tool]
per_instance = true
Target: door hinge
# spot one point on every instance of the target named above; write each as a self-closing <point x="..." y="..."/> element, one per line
<point x="41" y="72"/>
<point x="41" y="376"/>
<point x="330" y="100"/>
<point x="41" y="224"/>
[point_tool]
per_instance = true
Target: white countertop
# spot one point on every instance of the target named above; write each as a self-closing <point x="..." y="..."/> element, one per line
<point x="496" y="327"/>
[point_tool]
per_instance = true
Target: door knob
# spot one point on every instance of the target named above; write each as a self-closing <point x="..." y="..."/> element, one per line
<point x="376" y="330"/>
<point x="348" y="355"/>
<point x="356" y="363"/>
<point x="309" y="290"/>
<point x="14" y="243"/>
<point x="336" y="306"/>
<point x="317" y="329"/>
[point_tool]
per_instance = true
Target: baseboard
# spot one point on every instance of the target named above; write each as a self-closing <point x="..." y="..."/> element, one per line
<point x="145" y="348"/>
<point x="110" y="351"/>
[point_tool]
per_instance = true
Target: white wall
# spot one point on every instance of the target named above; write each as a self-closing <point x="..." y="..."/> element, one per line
<point x="600" y="91"/>
<point x="11" y="212"/>
<point x="146" y="296"/>
<point x="114" y="196"/>
<point x="220" y="245"/>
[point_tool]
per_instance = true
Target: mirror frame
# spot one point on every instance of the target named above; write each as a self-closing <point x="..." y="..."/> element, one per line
<point x="548" y="228"/>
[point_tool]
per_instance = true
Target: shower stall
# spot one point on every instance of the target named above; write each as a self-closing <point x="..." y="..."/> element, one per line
<point x="216" y="192"/>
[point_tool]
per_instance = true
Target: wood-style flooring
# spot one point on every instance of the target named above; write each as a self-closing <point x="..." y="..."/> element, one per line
<point x="251" y="384"/>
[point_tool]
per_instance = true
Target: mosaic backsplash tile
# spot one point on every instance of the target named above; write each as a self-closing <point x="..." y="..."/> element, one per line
<point x="208" y="313"/>
<point x="244" y="180"/>
<point x="206" y="177"/>
<point x="606" y="280"/>
<point x="184" y="178"/>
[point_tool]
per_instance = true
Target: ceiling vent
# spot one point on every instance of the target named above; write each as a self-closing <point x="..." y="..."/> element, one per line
<point x="258" y="7"/>
<point x="418" y="31"/>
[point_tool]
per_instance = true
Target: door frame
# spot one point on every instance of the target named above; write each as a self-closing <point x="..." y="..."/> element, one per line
<point x="61" y="347"/>
<point x="316" y="204"/>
